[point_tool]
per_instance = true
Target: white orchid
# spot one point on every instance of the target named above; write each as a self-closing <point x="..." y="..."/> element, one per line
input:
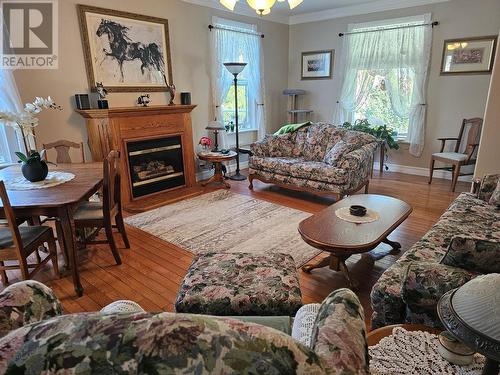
<point x="25" y="121"/>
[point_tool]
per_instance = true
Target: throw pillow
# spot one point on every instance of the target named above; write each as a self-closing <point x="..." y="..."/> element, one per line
<point x="473" y="254"/>
<point x="495" y="197"/>
<point x="336" y="153"/>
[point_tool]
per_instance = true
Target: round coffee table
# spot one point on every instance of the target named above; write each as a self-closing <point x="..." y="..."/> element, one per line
<point x="217" y="158"/>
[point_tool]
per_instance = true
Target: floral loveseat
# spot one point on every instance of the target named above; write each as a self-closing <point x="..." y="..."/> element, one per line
<point x="463" y="244"/>
<point x="319" y="158"/>
<point x="35" y="338"/>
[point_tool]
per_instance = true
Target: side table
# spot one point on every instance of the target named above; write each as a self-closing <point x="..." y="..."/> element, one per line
<point x="217" y="159"/>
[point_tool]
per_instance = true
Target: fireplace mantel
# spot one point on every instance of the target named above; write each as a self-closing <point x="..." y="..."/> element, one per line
<point x="115" y="128"/>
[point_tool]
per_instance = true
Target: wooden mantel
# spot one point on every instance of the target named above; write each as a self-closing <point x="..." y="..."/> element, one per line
<point x="111" y="129"/>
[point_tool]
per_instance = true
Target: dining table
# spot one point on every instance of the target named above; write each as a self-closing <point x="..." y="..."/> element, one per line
<point x="59" y="202"/>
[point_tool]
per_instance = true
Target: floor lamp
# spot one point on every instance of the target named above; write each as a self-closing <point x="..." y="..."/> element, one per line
<point x="235" y="69"/>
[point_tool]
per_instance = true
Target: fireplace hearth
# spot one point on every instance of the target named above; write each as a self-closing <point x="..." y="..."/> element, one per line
<point x="155" y="165"/>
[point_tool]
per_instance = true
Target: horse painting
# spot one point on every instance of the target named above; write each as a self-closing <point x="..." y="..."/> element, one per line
<point x="122" y="48"/>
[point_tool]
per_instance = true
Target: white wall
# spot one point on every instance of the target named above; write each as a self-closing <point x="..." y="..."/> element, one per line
<point x="450" y="99"/>
<point x="189" y="39"/>
<point x="488" y="160"/>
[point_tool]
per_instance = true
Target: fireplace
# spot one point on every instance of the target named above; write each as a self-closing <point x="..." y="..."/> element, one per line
<point x="156" y="144"/>
<point x="155" y="165"/>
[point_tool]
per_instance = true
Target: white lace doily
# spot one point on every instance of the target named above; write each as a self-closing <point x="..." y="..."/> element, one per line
<point x="303" y="323"/>
<point x="53" y="179"/>
<point x="122" y="307"/>
<point x="406" y="352"/>
<point x="345" y="214"/>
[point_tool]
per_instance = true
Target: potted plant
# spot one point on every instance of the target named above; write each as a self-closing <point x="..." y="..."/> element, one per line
<point x="381" y="132"/>
<point x="34" y="166"/>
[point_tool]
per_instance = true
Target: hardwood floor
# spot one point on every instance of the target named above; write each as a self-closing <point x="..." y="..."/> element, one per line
<point x="153" y="269"/>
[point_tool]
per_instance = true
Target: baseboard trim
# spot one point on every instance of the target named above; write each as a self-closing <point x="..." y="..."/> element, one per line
<point x="419" y="171"/>
<point x="406" y="169"/>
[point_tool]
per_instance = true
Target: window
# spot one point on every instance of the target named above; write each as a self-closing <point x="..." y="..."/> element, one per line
<point x="386" y="65"/>
<point x="237" y="42"/>
<point x="377" y="108"/>
<point x="228" y="109"/>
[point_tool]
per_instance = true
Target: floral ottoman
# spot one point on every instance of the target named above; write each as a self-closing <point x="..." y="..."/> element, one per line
<point x="240" y="285"/>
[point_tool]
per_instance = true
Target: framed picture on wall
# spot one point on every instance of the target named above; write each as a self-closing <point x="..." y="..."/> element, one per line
<point x="469" y="55"/>
<point x="317" y="64"/>
<point x="126" y="52"/>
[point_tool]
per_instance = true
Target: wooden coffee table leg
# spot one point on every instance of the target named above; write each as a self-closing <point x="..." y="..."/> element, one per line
<point x="338" y="264"/>
<point x="322" y="263"/>
<point x="396" y="246"/>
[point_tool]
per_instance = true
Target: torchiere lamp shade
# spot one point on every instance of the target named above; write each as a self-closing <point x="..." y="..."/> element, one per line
<point x="235" y="68"/>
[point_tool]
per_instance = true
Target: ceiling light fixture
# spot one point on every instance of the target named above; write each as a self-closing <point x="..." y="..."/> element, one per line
<point x="262" y="7"/>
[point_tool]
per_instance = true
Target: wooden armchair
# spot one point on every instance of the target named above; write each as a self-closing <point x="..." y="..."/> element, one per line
<point x="19" y="243"/>
<point x="62" y="148"/>
<point x="464" y="153"/>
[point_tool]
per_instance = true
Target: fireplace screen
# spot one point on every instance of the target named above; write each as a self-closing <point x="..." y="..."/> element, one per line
<point x="155" y="165"/>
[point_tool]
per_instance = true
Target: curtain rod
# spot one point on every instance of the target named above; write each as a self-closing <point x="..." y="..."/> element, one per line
<point x="210" y="27"/>
<point x="432" y="24"/>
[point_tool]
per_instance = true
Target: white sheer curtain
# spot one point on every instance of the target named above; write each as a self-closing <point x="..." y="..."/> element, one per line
<point x="229" y="45"/>
<point x="10" y="101"/>
<point x="402" y="55"/>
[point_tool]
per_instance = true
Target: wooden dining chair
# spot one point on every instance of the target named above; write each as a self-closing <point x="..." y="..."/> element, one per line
<point x="62" y="148"/>
<point x="464" y="152"/>
<point x="19" y="243"/>
<point x="101" y="214"/>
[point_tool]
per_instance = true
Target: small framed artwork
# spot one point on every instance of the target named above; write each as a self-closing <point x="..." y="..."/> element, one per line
<point x="317" y="64"/>
<point x="469" y="55"/>
<point x="127" y="52"/>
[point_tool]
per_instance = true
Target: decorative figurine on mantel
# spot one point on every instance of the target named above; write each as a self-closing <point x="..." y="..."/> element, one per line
<point x="144" y="100"/>
<point x="102" y="103"/>
<point x="171" y="90"/>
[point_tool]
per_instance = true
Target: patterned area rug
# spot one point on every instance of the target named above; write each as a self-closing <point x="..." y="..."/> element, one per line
<point x="222" y="221"/>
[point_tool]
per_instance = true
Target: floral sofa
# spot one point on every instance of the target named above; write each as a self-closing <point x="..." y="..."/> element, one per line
<point x="35" y="338"/>
<point x="319" y="158"/>
<point x="463" y="244"/>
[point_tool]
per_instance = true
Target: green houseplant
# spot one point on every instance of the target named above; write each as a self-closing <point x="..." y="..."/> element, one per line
<point x="34" y="166"/>
<point x="381" y="132"/>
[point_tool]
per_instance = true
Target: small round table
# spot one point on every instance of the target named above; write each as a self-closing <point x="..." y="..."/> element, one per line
<point x="217" y="158"/>
<point x="472" y="314"/>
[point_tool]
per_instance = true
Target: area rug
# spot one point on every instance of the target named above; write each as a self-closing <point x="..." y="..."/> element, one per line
<point x="226" y="222"/>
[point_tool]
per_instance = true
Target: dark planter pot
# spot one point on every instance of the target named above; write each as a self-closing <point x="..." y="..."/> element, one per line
<point x="35" y="171"/>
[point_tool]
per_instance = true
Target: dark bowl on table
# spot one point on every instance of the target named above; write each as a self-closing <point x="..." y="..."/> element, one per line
<point x="356" y="210"/>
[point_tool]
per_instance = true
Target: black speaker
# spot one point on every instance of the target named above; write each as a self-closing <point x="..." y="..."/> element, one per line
<point x="102" y="104"/>
<point x="82" y="101"/>
<point x="185" y="98"/>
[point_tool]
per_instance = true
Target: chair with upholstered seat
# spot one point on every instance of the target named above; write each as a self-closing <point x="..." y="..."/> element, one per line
<point x="101" y="214"/>
<point x="19" y="243"/>
<point x="62" y="148"/>
<point x="464" y="153"/>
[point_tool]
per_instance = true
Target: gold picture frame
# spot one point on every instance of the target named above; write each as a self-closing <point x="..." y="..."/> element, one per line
<point x="127" y="52"/>
<point x="469" y="55"/>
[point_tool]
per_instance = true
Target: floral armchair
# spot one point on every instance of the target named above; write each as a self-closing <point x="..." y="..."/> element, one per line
<point x="463" y="244"/>
<point x="35" y="338"/>
<point x="319" y="158"/>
